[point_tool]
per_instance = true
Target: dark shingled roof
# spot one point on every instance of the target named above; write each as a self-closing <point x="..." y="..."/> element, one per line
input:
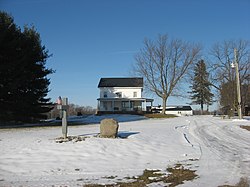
<point x="121" y="82"/>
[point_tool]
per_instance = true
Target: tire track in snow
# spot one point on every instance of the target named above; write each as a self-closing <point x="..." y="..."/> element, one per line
<point x="228" y="143"/>
<point x="184" y="129"/>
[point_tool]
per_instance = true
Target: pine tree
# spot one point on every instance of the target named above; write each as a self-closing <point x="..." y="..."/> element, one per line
<point x="201" y="93"/>
<point x="23" y="75"/>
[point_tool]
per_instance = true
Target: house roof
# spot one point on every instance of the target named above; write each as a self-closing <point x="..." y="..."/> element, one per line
<point x="121" y="82"/>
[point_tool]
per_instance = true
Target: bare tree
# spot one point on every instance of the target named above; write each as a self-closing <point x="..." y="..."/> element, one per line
<point x="223" y="75"/>
<point x="73" y="110"/>
<point x="163" y="63"/>
<point x="222" y="57"/>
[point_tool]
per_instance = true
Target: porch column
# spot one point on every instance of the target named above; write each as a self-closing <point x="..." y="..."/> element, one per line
<point x="129" y="105"/>
<point x="145" y="105"/>
<point x="98" y="106"/>
<point x="113" y="105"/>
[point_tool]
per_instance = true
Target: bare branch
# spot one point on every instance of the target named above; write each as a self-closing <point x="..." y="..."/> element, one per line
<point x="164" y="63"/>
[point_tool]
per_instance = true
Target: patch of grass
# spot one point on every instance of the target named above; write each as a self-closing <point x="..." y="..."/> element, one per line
<point x="150" y="176"/>
<point x="245" y="127"/>
<point x="177" y="176"/>
<point x="158" y="115"/>
<point x="70" y="138"/>
<point x="243" y="183"/>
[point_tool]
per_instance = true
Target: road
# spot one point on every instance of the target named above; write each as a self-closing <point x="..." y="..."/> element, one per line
<point x="224" y="147"/>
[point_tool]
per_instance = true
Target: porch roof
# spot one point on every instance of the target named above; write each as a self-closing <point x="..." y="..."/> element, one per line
<point x="126" y="99"/>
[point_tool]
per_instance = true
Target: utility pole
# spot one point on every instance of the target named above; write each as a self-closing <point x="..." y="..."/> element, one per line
<point x="237" y="82"/>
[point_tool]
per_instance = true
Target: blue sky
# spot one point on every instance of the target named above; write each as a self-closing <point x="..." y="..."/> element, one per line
<point x="90" y="39"/>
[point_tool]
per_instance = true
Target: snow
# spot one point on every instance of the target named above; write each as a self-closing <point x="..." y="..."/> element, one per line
<point x="218" y="149"/>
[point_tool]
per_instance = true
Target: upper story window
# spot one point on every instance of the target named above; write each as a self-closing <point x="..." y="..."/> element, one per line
<point x="119" y="94"/>
<point x="105" y="94"/>
<point x="134" y="94"/>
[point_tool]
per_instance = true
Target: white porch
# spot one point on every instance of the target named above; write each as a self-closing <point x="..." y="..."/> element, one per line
<point x="124" y="104"/>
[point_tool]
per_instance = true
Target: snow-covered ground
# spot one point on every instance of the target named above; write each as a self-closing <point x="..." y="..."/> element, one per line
<point x="219" y="151"/>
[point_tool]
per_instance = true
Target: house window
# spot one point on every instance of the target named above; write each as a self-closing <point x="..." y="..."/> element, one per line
<point x="135" y="94"/>
<point x="125" y="104"/>
<point x="119" y="94"/>
<point x="105" y="94"/>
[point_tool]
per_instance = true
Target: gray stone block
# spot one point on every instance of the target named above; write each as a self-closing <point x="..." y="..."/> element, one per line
<point x="109" y="128"/>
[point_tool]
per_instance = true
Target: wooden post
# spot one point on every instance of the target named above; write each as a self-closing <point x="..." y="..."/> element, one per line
<point x="63" y="106"/>
<point x="64" y="124"/>
<point x="64" y="118"/>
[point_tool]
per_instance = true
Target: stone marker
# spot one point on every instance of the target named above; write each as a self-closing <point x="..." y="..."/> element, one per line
<point x="108" y="128"/>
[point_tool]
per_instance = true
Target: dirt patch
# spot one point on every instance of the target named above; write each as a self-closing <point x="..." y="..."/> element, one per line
<point x="176" y="175"/>
<point x="70" y="138"/>
<point x="245" y="127"/>
<point x="243" y="183"/>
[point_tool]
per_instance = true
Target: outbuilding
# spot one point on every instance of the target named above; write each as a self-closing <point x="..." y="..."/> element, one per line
<point x="175" y="110"/>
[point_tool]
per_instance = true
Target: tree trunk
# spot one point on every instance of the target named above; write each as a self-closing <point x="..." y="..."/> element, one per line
<point x="201" y="108"/>
<point x="164" y="102"/>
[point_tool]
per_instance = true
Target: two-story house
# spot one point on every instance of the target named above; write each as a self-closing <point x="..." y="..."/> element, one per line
<point x="122" y="95"/>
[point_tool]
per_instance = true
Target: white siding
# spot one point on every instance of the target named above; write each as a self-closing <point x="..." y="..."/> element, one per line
<point x="126" y="92"/>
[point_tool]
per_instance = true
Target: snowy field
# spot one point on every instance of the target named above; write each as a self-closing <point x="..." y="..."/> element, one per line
<point x="219" y="151"/>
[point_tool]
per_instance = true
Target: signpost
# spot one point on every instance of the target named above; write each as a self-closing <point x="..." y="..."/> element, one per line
<point x="62" y="104"/>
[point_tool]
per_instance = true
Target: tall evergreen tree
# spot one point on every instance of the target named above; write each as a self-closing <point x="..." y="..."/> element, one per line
<point x="201" y="93"/>
<point x="23" y="75"/>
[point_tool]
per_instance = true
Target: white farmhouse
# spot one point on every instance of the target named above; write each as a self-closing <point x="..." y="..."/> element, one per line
<point x="122" y="95"/>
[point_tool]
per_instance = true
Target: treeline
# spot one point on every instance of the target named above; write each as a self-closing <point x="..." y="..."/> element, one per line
<point x="225" y="87"/>
<point x="168" y="65"/>
<point x="73" y="110"/>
